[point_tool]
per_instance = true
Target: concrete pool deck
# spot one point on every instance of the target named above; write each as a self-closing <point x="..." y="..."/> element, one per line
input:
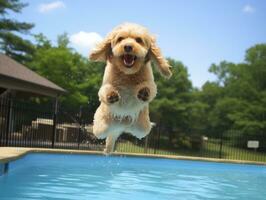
<point x="8" y="154"/>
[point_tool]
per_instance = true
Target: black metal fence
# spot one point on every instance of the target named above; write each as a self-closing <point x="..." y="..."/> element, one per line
<point x="29" y="124"/>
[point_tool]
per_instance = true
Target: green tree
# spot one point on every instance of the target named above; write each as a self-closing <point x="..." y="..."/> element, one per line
<point x="177" y="108"/>
<point x="65" y="67"/>
<point x="240" y="105"/>
<point x="256" y="65"/>
<point x="11" y="43"/>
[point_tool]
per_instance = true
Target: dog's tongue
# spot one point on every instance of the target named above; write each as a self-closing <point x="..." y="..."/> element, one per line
<point x="128" y="60"/>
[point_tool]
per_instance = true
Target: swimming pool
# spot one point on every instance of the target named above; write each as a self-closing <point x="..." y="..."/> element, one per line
<point x="65" y="176"/>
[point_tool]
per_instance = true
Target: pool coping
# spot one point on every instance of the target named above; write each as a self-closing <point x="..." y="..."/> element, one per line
<point x="8" y="154"/>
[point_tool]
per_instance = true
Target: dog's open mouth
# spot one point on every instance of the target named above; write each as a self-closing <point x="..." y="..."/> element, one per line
<point x="129" y="60"/>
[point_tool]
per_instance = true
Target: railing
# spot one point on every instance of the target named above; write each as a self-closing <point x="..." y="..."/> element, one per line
<point x="29" y="124"/>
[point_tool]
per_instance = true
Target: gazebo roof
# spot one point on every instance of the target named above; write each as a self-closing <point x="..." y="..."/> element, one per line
<point x="14" y="75"/>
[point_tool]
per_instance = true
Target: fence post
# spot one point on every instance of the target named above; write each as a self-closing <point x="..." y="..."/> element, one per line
<point x="55" y="121"/>
<point x="9" y="122"/>
<point x="158" y="137"/>
<point x="221" y="145"/>
<point x="154" y="143"/>
<point x="146" y="144"/>
<point x="80" y="122"/>
<point x="2" y="114"/>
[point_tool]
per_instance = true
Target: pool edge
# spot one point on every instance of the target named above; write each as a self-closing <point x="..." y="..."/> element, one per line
<point x="8" y="154"/>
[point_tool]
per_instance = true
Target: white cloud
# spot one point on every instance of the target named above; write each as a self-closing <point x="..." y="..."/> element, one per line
<point x="47" y="7"/>
<point x="248" y="9"/>
<point x="83" y="42"/>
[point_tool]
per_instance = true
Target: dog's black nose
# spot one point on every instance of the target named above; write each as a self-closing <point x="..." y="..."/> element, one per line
<point x="128" y="48"/>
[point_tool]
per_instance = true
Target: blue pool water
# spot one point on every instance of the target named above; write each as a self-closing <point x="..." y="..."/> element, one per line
<point x="63" y="176"/>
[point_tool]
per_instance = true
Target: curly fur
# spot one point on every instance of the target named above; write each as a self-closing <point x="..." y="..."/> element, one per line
<point x="128" y="111"/>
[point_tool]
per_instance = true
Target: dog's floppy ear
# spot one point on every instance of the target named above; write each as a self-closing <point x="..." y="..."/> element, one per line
<point x="102" y="51"/>
<point x="159" y="61"/>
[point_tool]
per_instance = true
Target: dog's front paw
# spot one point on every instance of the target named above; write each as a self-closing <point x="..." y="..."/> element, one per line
<point x="144" y="94"/>
<point x="112" y="97"/>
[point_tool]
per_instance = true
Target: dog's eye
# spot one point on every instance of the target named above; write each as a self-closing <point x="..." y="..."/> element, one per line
<point x="139" y="40"/>
<point x="120" y="39"/>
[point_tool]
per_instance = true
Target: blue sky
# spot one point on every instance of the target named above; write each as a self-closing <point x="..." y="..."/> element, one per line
<point x="196" y="32"/>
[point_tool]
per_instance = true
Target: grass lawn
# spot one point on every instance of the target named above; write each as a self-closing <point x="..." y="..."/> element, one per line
<point x="209" y="149"/>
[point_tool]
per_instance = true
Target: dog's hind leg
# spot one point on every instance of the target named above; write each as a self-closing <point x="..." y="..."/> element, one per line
<point x="100" y="129"/>
<point x="143" y="126"/>
<point x="101" y="123"/>
<point x="110" y="143"/>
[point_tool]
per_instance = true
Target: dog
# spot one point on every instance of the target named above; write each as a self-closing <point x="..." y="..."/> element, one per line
<point x="128" y="84"/>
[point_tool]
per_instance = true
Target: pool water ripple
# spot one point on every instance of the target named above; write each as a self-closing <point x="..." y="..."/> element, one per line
<point x="46" y="176"/>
